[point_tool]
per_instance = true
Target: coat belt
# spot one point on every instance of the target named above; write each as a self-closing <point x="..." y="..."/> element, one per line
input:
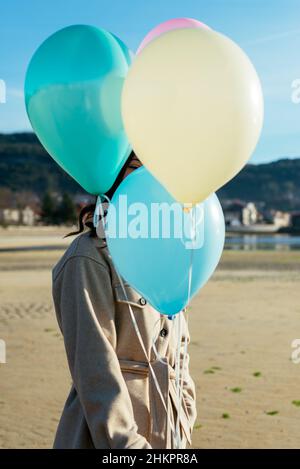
<point x="161" y="434"/>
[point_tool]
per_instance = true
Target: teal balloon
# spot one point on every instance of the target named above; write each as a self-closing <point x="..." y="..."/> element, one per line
<point x="73" y="92"/>
<point x="168" y="257"/>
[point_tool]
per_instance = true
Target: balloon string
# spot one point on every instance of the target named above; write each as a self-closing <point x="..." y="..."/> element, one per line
<point x="99" y="213"/>
<point x="179" y="388"/>
<point x="145" y="353"/>
<point x="98" y="208"/>
<point x="177" y="367"/>
<point x="96" y="220"/>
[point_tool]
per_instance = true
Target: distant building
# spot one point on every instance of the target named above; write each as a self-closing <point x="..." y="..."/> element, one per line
<point x="250" y="215"/>
<point x="28" y="216"/>
<point x="15" y="216"/>
<point x="9" y="216"/>
<point x="240" y="213"/>
<point x="281" y="219"/>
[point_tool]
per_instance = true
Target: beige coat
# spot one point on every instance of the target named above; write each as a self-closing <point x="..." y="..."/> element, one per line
<point x="113" y="402"/>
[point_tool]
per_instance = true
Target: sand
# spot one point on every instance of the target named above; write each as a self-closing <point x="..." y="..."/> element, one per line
<point x="242" y="324"/>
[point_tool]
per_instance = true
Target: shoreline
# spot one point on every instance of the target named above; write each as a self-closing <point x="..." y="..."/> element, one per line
<point x="256" y="231"/>
<point x="51" y="238"/>
<point x="59" y="229"/>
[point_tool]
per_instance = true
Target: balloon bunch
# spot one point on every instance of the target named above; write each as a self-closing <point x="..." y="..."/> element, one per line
<point x="189" y="104"/>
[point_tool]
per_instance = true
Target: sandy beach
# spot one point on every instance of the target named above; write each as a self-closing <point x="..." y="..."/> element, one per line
<point x="242" y="324"/>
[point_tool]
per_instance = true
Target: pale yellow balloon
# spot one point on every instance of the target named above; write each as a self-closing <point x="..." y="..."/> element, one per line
<point x="192" y="108"/>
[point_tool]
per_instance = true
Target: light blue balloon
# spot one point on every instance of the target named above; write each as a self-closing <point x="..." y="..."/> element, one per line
<point x="73" y="93"/>
<point x="152" y="255"/>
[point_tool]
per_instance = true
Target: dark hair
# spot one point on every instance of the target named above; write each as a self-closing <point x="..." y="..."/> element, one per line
<point x="88" y="211"/>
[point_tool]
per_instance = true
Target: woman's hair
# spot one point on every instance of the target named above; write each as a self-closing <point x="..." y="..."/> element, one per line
<point x="88" y="211"/>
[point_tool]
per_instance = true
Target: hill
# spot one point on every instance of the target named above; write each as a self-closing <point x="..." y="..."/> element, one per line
<point x="26" y="166"/>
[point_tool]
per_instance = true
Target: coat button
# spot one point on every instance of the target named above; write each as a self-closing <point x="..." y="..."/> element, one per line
<point x="163" y="332"/>
<point x="142" y="301"/>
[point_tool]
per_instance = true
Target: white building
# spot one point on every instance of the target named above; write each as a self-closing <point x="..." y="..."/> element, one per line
<point x="281" y="219"/>
<point x="28" y="216"/>
<point x="250" y="214"/>
<point x="15" y="216"/>
<point x="9" y="216"/>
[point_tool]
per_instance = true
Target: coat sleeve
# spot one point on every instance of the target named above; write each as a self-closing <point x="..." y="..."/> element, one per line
<point x="189" y="391"/>
<point x="85" y="300"/>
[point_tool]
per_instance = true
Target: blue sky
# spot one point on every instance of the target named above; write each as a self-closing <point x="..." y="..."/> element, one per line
<point x="268" y="31"/>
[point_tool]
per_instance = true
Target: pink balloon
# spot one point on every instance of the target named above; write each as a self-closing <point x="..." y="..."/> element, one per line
<point x="175" y="23"/>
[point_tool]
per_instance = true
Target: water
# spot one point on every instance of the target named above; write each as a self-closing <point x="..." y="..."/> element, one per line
<point x="242" y="242"/>
<point x="275" y="242"/>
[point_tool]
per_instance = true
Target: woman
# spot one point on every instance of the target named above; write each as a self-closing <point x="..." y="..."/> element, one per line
<point x="114" y="401"/>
